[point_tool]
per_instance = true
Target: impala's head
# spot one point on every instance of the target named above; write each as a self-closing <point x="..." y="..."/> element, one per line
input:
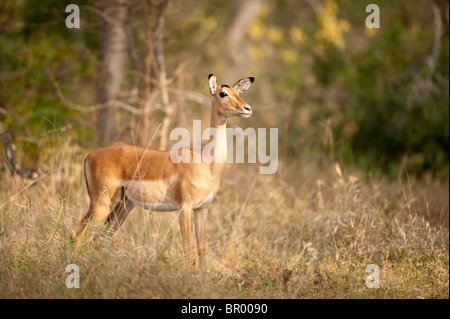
<point x="226" y="98"/>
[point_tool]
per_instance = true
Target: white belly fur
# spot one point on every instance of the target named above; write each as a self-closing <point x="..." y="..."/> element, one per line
<point x="158" y="207"/>
<point x="158" y="195"/>
<point x="155" y="195"/>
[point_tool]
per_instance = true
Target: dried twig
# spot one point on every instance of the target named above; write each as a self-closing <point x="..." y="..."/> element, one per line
<point x="92" y="108"/>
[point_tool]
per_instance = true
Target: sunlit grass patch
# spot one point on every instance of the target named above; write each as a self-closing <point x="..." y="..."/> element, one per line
<point x="309" y="234"/>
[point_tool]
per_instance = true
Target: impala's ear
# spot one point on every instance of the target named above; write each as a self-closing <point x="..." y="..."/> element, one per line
<point x="243" y="84"/>
<point x="212" y="84"/>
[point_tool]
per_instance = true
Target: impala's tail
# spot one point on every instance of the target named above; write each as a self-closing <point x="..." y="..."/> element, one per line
<point x="85" y="175"/>
<point x="80" y="226"/>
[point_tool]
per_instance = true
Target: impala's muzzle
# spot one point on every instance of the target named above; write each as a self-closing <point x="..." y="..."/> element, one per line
<point x="247" y="112"/>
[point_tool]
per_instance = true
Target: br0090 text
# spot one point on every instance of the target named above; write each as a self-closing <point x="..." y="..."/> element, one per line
<point x="246" y="308"/>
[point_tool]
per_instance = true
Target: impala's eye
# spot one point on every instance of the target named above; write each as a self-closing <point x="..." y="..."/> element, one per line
<point x="223" y="94"/>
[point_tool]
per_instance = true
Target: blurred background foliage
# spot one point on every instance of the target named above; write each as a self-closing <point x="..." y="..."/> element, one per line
<point x="372" y="98"/>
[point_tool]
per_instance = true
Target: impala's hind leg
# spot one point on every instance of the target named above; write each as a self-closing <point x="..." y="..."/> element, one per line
<point x="99" y="208"/>
<point x="118" y="214"/>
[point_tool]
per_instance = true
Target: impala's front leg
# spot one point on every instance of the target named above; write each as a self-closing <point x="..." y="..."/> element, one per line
<point x="200" y="232"/>
<point x="185" y="227"/>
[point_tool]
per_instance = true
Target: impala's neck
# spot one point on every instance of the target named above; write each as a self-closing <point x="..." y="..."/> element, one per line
<point x="218" y="137"/>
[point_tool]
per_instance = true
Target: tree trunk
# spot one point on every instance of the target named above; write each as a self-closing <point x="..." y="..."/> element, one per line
<point x="113" y="52"/>
<point x="168" y="108"/>
<point x="248" y="12"/>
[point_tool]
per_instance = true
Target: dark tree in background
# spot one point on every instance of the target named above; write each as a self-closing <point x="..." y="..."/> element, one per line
<point x="113" y="56"/>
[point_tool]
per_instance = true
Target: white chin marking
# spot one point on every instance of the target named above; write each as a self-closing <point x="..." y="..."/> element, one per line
<point x="245" y="115"/>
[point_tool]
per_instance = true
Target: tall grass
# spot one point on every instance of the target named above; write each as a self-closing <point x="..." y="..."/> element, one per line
<point x="307" y="232"/>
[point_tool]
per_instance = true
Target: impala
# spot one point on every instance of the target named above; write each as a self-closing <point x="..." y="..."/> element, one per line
<point x="122" y="176"/>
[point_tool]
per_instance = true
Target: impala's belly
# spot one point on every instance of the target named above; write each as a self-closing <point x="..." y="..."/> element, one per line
<point x="158" y="207"/>
<point x="155" y="195"/>
<point x="160" y="195"/>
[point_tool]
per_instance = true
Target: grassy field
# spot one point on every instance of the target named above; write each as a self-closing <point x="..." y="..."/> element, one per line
<point x="308" y="232"/>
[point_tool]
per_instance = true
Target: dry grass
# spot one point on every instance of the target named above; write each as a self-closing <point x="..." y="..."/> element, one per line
<point x="307" y="233"/>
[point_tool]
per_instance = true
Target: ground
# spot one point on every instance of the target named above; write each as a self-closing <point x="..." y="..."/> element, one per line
<point x="309" y="231"/>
